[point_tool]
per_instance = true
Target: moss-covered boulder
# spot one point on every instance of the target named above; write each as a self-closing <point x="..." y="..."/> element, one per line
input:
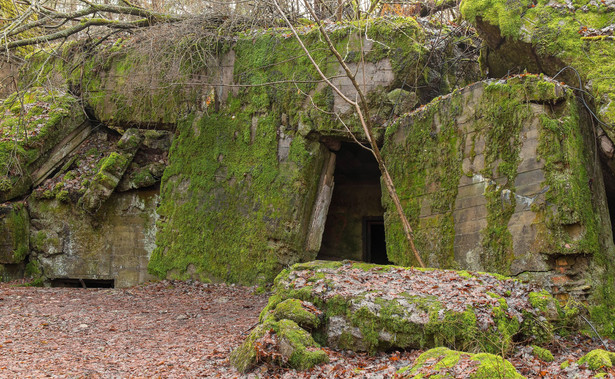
<point x="542" y="353"/>
<point x="282" y="342"/>
<point x="376" y="308"/>
<point x="444" y="363"/>
<point x="598" y="359"/>
<point x="32" y="123"/>
<point x="301" y="312"/>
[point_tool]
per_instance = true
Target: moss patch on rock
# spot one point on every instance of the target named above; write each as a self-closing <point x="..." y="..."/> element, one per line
<point x="111" y="170"/>
<point x="282" y="342"/>
<point x="542" y="353"/>
<point x="598" y="359"/>
<point x="31" y="124"/>
<point x="415" y="309"/>
<point x="445" y="363"/>
<point x="302" y="312"/>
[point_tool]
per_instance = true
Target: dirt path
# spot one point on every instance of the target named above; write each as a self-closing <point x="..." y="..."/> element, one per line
<point x="178" y="330"/>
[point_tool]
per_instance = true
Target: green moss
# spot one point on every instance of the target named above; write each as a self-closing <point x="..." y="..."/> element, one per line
<point x="558" y="32"/>
<point x="304" y="351"/>
<point x="425" y="159"/>
<point x="130" y="140"/>
<point x="598" y="359"/>
<point x="489" y="366"/>
<point x="143" y="178"/>
<point x="113" y="164"/>
<point x="18" y="223"/>
<point x="305" y="315"/>
<point x="542" y="354"/>
<point x="63" y="196"/>
<point x="425" y="154"/>
<point x="504" y="14"/>
<point x="31" y="123"/>
<point x="33" y="271"/>
<point x="246" y="205"/>
<point x="540" y="300"/>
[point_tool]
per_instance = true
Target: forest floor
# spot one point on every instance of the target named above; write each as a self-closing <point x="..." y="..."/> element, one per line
<point x="178" y="329"/>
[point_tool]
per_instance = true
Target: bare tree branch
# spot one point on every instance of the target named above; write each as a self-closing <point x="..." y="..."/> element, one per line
<point x="361" y="108"/>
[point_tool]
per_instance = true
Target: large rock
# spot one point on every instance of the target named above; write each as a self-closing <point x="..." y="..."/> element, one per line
<point x="364" y="307"/>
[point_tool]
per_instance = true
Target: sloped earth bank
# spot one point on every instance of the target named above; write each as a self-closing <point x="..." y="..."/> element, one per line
<point x="178" y="329"/>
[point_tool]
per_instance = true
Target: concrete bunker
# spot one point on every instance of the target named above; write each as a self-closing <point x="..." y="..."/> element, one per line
<point x="354" y="227"/>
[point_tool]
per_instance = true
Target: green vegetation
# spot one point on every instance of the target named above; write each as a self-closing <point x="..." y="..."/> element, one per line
<point x="431" y="160"/>
<point x="304" y="314"/>
<point x="542" y="354"/>
<point x="14" y="234"/>
<point x="239" y="211"/>
<point x="282" y="342"/>
<point x="489" y="366"/>
<point x="598" y="359"/>
<point x="430" y="324"/>
<point x="31" y="123"/>
<point x="561" y="36"/>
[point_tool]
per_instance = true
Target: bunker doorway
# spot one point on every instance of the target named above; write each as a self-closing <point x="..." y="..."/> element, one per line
<point x="609" y="188"/>
<point x="354" y="228"/>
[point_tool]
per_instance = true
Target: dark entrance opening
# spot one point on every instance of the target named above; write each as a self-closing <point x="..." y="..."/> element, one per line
<point x="83" y="283"/>
<point x="374" y="243"/>
<point x="354" y="228"/>
<point x="609" y="188"/>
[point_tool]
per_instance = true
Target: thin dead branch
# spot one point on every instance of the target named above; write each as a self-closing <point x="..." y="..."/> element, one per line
<point x="362" y="109"/>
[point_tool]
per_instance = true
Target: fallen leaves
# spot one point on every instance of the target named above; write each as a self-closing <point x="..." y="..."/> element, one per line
<point x="100" y="333"/>
<point x="135" y="333"/>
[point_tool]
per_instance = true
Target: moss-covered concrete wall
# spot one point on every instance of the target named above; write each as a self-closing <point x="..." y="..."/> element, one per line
<point x="115" y="245"/>
<point x="14" y="231"/>
<point x="571" y="39"/>
<point x="239" y="192"/>
<point x="501" y="177"/>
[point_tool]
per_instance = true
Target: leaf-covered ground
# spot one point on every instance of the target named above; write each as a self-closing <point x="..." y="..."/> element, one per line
<point x="178" y="329"/>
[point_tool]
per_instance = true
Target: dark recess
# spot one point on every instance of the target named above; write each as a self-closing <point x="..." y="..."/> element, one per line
<point x="83" y="283"/>
<point x="354" y="228"/>
<point x="374" y="243"/>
